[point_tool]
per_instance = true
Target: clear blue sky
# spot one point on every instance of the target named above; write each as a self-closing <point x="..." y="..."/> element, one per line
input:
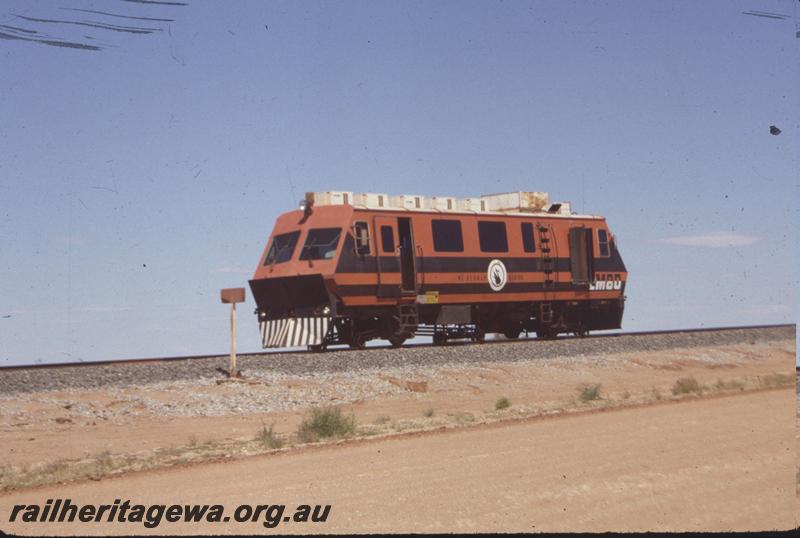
<point x="138" y="179"/>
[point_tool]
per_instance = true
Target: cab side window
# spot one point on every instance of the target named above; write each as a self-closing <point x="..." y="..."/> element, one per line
<point x="387" y="239"/>
<point x="361" y="231"/>
<point x="602" y="243"/>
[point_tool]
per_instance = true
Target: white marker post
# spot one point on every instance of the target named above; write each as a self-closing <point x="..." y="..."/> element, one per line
<point x="232" y="296"/>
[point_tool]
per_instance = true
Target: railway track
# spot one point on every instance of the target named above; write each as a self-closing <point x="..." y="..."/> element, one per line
<point x="272" y="367"/>
<point x="151" y="360"/>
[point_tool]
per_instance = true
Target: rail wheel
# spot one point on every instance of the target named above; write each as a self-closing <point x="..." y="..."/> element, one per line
<point x="546" y="334"/>
<point x="478" y="336"/>
<point x="397" y="341"/>
<point x="439" y="339"/>
<point x="317" y="348"/>
<point x="358" y="342"/>
<point x="512" y="332"/>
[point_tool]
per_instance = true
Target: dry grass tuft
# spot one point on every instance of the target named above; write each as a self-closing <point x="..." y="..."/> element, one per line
<point x="462" y="417"/>
<point x="326" y="422"/>
<point x="777" y="380"/>
<point x="729" y="385"/>
<point x="686" y="385"/>
<point x="268" y="438"/>
<point x="60" y="471"/>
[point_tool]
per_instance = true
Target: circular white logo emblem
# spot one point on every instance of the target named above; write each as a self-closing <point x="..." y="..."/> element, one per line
<point x="497" y="275"/>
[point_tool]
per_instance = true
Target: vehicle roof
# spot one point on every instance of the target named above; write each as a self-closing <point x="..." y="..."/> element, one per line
<point x="465" y="212"/>
<point x="524" y="204"/>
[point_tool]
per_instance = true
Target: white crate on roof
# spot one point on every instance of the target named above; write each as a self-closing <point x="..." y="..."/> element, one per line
<point x="442" y="203"/>
<point x="516" y="201"/>
<point x="407" y="201"/>
<point x="333" y="198"/>
<point x="470" y="204"/>
<point x="508" y="202"/>
<point x="371" y="200"/>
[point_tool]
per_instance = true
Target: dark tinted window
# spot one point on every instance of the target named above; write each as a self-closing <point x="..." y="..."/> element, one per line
<point x="321" y="244"/>
<point x="387" y="239"/>
<point x="447" y="236"/>
<point x="602" y="242"/>
<point x="282" y="248"/>
<point x="528" y="242"/>
<point x="492" y="236"/>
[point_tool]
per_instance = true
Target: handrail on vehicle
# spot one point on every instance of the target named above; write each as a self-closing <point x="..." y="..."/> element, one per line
<point x="421" y="272"/>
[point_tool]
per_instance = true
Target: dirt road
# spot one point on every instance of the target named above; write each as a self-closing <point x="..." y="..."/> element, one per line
<point x="717" y="464"/>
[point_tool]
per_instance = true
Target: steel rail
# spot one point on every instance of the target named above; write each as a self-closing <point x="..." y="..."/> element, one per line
<point x="124" y="362"/>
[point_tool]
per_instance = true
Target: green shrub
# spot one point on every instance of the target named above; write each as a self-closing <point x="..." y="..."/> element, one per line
<point x="428" y="412"/>
<point x="326" y="422"/>
<point x="502" y="403"/>
<point x="589" y="393"/>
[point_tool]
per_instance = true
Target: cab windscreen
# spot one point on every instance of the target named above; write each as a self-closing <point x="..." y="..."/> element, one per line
<point x="321" y="244"/>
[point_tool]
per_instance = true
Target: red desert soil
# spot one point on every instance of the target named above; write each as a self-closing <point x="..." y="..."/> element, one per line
<point x="48" y="426"/>
<point x="720" y="463"/>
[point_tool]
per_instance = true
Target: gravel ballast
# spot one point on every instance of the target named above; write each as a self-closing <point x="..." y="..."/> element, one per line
<point x="28" y="380"/>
